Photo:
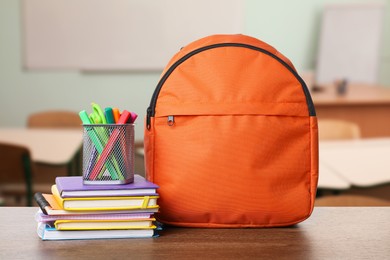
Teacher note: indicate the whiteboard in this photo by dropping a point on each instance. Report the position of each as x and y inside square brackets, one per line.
[350, 43]
[119, 34]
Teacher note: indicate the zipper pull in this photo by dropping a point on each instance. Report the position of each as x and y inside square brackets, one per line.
[171, 120]
[148, 115]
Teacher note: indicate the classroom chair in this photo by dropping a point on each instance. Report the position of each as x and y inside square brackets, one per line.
[335, 129]
[57, 119]
[16, 171]
[54, 119]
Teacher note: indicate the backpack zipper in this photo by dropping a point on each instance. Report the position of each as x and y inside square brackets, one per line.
[171, 120]
[151, 109]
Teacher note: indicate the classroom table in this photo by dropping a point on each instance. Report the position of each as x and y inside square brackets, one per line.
[360, 162]
[366, 105]
[328, 179]
[58, 148]
[330, 233]
[49, 146]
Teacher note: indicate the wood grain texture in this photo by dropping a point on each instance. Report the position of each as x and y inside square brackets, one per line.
[330, 233]
[366, 105]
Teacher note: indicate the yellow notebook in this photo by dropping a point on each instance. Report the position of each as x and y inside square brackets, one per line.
[105, 203]
[93, 224]
[49, 206]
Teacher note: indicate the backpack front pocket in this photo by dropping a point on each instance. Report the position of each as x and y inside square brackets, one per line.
[230, 173]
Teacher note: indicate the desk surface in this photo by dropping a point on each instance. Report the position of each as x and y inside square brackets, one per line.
[357, 94]
[330, 233]
[51, 146]
[329, 179]
[367, 106]
[362, 162]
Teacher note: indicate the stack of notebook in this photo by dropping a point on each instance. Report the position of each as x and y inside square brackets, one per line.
[78, 211]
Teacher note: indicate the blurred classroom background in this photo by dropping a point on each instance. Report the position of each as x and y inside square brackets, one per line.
[353, 112]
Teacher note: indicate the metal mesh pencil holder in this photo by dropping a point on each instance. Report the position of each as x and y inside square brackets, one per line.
[108, 154]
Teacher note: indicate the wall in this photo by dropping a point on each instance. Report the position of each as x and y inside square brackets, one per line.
[290, 26]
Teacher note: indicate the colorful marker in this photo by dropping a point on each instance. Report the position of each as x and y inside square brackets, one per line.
[110, 145]
[116, 113]
[97, 142]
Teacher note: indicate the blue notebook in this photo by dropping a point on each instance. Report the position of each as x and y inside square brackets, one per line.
[73, 186]
[45, 232]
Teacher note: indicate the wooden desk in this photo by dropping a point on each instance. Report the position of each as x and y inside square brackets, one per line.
[49, 146]
[362, 163]
[54, 151]
[329, 179]
[330, 233]
[368, 106]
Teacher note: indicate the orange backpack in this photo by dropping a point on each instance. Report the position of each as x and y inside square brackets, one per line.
[231, 137]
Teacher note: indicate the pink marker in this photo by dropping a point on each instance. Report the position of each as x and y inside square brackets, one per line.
[133, 117]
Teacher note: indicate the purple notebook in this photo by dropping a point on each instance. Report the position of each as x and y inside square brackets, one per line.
[72, 186]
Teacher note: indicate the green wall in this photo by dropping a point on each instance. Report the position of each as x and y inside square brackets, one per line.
[290, 26]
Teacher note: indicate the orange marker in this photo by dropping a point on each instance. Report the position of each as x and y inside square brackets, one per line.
[116, 113]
